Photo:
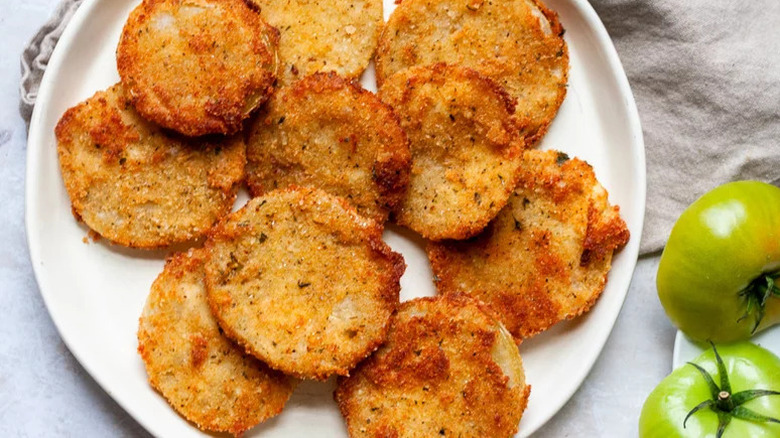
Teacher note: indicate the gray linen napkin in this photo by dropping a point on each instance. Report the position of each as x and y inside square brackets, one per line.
[706, 78]
[37, 53]
[705, 74]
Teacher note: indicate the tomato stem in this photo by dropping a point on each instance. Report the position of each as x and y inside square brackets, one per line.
[757, 293]
[723, 403]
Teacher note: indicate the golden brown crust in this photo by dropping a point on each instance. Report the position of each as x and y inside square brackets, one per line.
[136, 184]
[517, 43]
[204, 376]
[323, 35]
[546, 256]
[302, 281]
[447, 369]
[328, 132]
[197, 66]
[464, 145]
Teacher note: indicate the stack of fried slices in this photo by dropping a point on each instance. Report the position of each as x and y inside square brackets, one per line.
[298, 283]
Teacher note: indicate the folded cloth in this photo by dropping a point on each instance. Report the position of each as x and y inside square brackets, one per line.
[705, 75]
[37, 53]
[706, 78]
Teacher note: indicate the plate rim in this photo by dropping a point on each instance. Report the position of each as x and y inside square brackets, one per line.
[768, 338]
[631, 251]
[585, 9]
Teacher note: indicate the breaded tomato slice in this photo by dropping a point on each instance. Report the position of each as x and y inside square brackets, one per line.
[517, 43]
[465, 149]
[546, 256]
[448, 369]
[323, 35]
[197, 66]
[328, 132]
[204, 376]
[302, 281]
[138, 185]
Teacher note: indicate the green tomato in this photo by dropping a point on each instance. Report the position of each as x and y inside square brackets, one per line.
[746, 367]
[717, 274]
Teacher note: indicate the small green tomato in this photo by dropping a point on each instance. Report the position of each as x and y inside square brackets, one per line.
[718, 274]
[728, 392]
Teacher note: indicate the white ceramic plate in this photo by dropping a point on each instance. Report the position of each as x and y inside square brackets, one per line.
[95, 292]
[686, 350]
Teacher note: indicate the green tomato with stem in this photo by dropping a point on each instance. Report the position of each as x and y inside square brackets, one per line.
[718, 275]
[731, 391]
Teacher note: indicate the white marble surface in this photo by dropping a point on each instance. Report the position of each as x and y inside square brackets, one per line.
[45, 392]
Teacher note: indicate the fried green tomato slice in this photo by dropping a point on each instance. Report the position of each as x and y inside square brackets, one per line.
[323, 35]
[138, 185]
[447, 369]
[465, 149]
[204, 376]
[517, 43]
[303, 282]
[328, 132]
[546, 256]
[197, 66]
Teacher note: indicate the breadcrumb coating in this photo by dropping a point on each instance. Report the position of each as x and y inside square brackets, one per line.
[328, 132]
[204, 376]
[546, 256]
[197, 66]
[138, 185]
[448, 369]
[323, 35]
[517, 43]
[465, 149]
[302, 281]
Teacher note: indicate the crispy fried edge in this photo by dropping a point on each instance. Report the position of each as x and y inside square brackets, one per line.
[442, 71]
[389, 293]
[558, 30]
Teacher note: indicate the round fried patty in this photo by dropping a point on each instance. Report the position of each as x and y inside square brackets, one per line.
[464, 145]
[328, 132]
[517, 43]
[546, 256]
[302, 281]
[323, 35]
[447, 369]
[197, 66]
[136, 184]
[204, 376]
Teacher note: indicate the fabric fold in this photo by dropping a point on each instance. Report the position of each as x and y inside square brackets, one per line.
[36, 55]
